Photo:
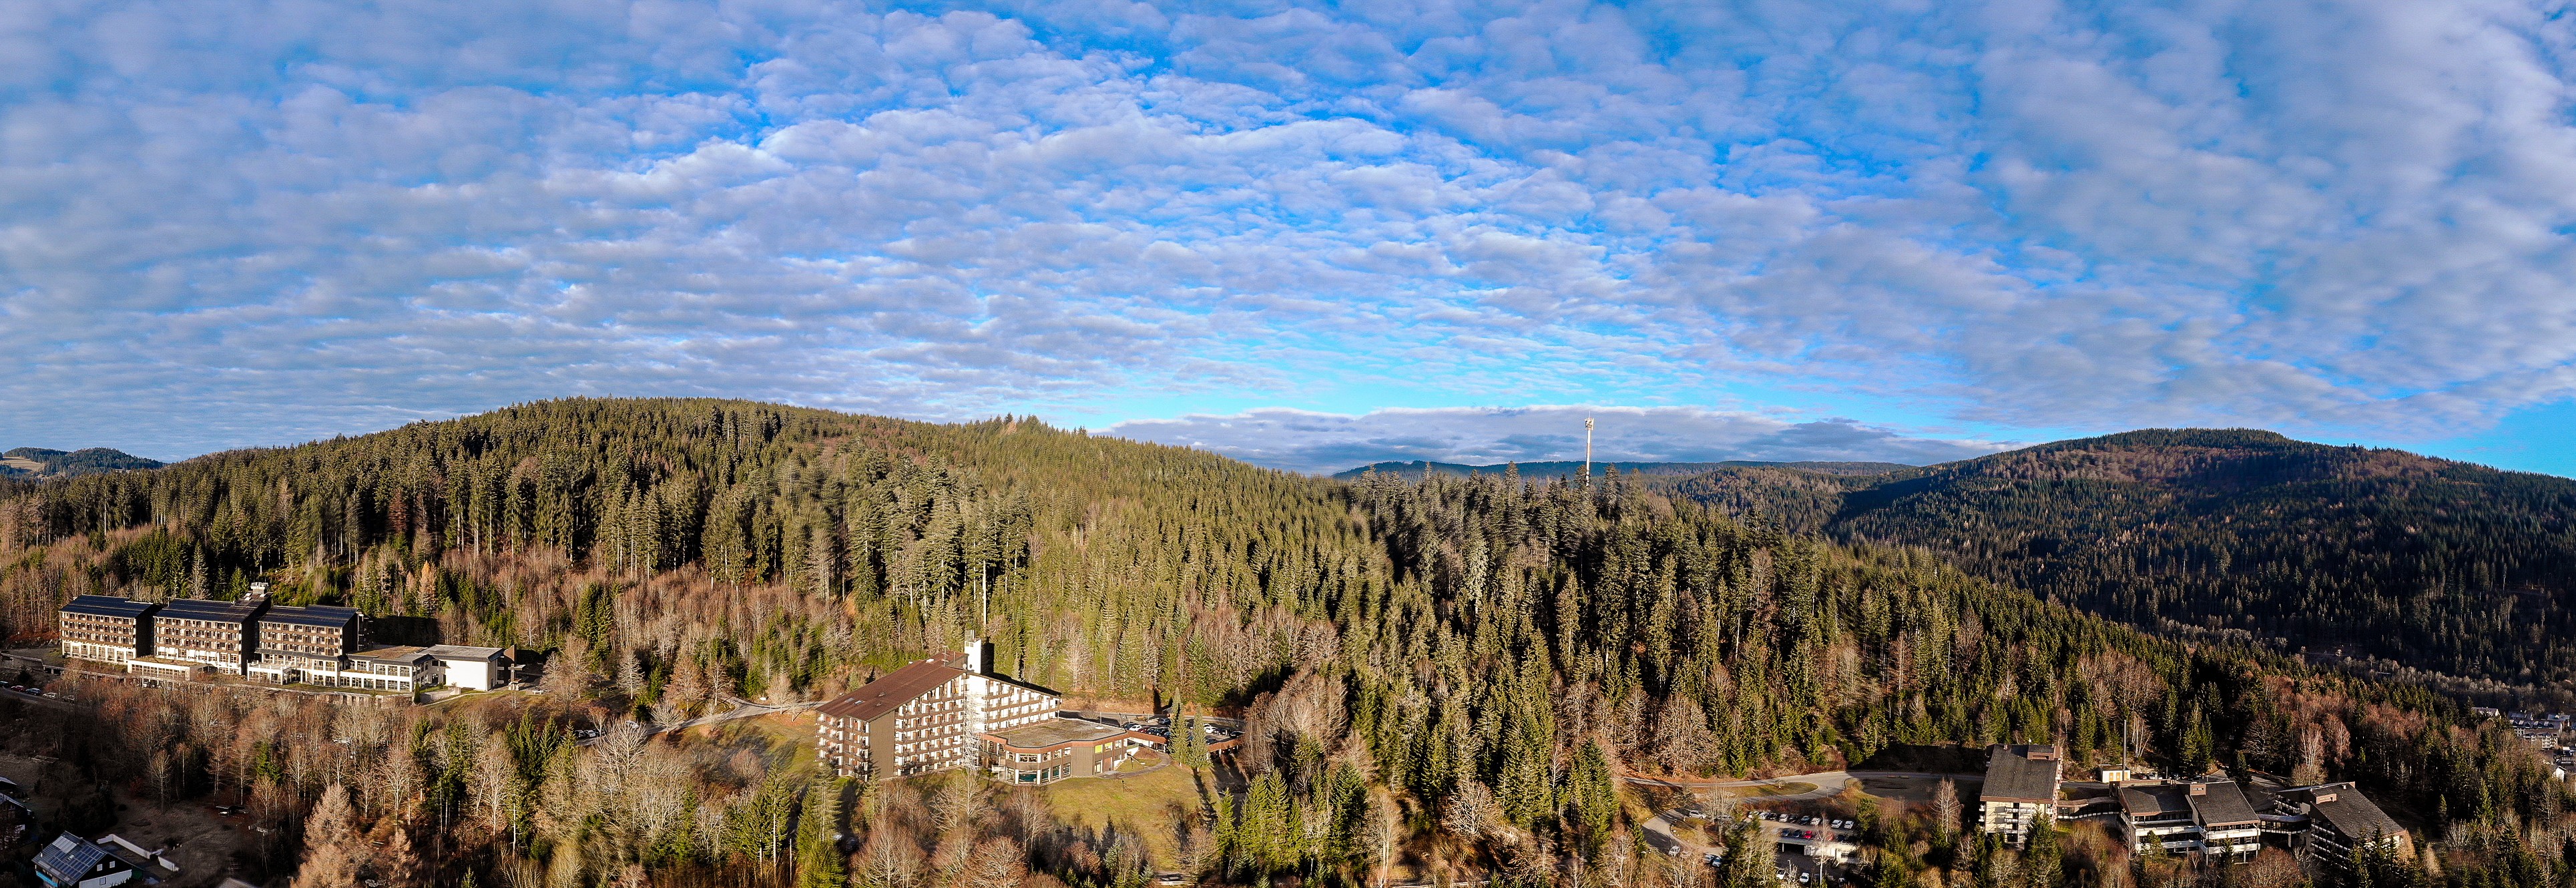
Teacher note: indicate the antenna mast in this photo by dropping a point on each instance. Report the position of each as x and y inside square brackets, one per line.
[1587, 451]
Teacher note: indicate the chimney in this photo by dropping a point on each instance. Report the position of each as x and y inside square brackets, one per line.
[975, 655]
[2200, 789]
[258, 592]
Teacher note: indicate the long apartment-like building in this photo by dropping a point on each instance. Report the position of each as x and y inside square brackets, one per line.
[2021, 787]
[106, 629]
[315, 645]
[927, 716]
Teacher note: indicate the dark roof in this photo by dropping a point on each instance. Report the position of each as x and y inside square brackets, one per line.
[2012, 775]
[2154, 801]
[69, 859]
[2347, 811]
[395, 654]
[316, 615]
[895, 689]
[2221, 803]
[464, 652]
[209, 609]
[108, 606]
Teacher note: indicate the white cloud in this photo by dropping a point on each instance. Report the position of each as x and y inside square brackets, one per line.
[252, 222]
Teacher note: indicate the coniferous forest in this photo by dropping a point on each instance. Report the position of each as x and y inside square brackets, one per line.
[2419, 563]
[1449, 678]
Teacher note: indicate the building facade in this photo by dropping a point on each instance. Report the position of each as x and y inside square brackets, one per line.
[216, 634]
[402, 669]
[106, 629]
[925, 717]
[2209, 818]
[300, 643]
[74, 862]
[2338, 818]
[472, 668]
[2021, 787]
[1055, 749]
[317, 645]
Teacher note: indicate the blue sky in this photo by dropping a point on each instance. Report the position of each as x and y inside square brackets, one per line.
[1306, 234]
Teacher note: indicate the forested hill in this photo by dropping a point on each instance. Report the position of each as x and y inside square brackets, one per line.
[1481, 654]
[39, 462]
[2430, 563]
[1416, 469]
[766, 547]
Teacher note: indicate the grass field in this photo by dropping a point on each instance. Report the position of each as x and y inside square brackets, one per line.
[1154, 807]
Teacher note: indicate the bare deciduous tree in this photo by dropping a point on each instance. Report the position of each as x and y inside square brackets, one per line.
[997, 863]
[889, 861]
[1945, 805]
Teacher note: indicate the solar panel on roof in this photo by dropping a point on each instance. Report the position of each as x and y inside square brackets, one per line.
[69, 858]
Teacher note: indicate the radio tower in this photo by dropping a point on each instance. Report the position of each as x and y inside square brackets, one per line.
[1587, 451]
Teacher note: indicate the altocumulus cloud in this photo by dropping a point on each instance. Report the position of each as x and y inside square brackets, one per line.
[250, 222]
[1307, 441]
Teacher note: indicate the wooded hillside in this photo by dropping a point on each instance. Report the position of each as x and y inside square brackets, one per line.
[2429, 563]
[1455, 670]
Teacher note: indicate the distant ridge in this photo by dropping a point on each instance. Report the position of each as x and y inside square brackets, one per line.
[2431, 563]
[1565, 468]
[40, 462]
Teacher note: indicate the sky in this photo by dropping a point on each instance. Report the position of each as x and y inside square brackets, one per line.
[1308, 235]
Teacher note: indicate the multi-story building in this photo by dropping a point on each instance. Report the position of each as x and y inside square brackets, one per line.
[2021, 787]
[925, 717]
[106, 629]
[217, 634]
[296, 642]
[2337, 817]
[2202, 817]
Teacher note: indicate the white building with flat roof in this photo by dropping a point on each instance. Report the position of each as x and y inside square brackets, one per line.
[472, 668]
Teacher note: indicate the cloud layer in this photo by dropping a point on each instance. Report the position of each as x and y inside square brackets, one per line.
[1322, 443]
[264, 220]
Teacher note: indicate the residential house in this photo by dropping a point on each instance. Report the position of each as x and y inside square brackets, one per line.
[2021, 787]
[75, 862]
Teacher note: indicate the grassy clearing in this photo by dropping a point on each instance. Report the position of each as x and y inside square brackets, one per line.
[1155, 808]
[785, 740]
[1768, 790]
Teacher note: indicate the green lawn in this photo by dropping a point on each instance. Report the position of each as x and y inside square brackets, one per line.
[1154, 808]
